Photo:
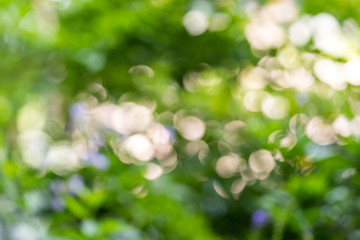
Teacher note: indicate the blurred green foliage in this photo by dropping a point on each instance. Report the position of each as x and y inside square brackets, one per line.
[162, 119]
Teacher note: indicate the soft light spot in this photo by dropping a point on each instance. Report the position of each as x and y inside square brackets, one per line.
[22, 231]
[352, 71]
[142, 70]
[153, 171]
[248, 175]
[159, 135]
[140, 147]
[193, 148]
[288, 57]
[80, 146]
[275, 107]
[279, 157]
[273, 136]
[262, 175]
[289, 141]
[89, 227]
[231, 134]
[235, 125]
[140, 191]
[330, 72]
[127, 118]
[62, 159]
[300, 32]
[333, 44]
[298, 122]
[300, 79]
[98, 90]
[251, 8]
[227, 166]
[349, 173]
[105, 115]
[328, 36]
[253, 78]
[116, 116]
[206, 78]
[219, 189]
[237, 186]
[31, 116]
[281, 78]
[325, 22]
[164, 151]
[342, 126]
[35, 201]
[280, 12]
[264, 35]
[261, 161]
[355, 126]
[33, 145]
[47, 22]
[191, 128]
[195, 22]
[253, 99]
[169, 163]
[268, 63]
[319, 132]
[138, 118]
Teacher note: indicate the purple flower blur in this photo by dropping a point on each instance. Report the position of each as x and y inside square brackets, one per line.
[76, 183]
[98, 160]
[172, 132]
[57, 203]
[97, 139]
[78, 111]
[259, 218]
